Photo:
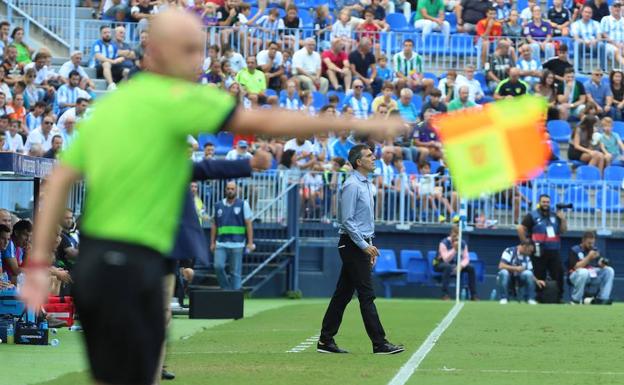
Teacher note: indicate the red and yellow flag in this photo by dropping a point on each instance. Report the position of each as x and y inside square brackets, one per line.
[490, 149]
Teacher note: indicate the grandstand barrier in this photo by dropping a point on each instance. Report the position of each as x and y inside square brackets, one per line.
[18, 16]
[20, 178]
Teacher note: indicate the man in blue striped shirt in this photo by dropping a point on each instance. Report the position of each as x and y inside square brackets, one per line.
[612, 28]
[357, 228]
[67, 94]
[106, 59]
[586, 32]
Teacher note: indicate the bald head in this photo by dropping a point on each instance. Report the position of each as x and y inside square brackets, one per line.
[176, 45]
[5, 218]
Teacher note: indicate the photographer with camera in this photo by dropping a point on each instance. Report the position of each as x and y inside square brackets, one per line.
[588, 269]
[544, 227]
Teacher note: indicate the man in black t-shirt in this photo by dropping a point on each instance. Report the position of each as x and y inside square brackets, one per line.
[67, 252]
[469, 12]
[228, 13]
[361, 60]
[600, 9]
[558, 64]
[559, 18]
[512, 86]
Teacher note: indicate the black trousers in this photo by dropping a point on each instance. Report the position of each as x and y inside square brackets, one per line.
[549, 262]
[355, 275]
[447, 269]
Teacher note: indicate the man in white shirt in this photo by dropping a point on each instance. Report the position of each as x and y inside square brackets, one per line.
[306, 64]
[76, 113]
[74, 64]
[303, 152]
[240, 152]
[530, 69]
[14, 141]
[67, 94]
[68, 134]
[612, 28]
[237, 62]
[41, 136]
[475, 91]
[270, 61]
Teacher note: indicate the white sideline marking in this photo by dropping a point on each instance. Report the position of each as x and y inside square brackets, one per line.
[414, 361]
[305, 344]
[521, 371]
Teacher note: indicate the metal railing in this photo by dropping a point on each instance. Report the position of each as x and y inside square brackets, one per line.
[58, 17]
[18, 15]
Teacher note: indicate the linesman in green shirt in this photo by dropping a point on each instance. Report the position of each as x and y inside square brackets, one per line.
[133, 155]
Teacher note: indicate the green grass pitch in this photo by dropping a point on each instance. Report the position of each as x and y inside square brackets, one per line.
[487, 344]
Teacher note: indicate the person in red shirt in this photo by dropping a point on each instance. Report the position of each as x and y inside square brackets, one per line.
[335, 66]
[369, 27]
[19, 111]
[488, 29]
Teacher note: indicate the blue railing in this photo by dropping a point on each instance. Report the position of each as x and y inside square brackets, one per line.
[19, 16]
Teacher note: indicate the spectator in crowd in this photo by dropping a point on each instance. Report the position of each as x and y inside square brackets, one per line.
[124, 49]
[384, 73]
[4, 87]
[612, 27]
[14, 141]
[42, 135]
[377, 6]
[497, 68]
[4, 123]
[462, 100]
[24, 52]
[236, 60]
[408, 69]
[469, 12]
[447, 86]
[68, 133]
[75, 64]
[139, 53]
[107, 62]
[5, 27]
[231, 233]
[354, 7]
[271, 62]
[142, 12]
[512, 86]
[290, 100]
[5, 109]
[430, 17]
[558, 65]
[67, 251]
[426, 139]
[43, 74]
[213, 56]
[559, 18]
[13, 69]
[320, 148]
[55, 148]
[600, 9]
[287, 161]
[312, 191]
[611, 144]
[547, 87]
[209, 150]
[445, 263]
[387, 190]
[213, 76]
[269, 26]
[362, 62]
[589, 269]
[434, 102]
[255, 83]
[35, 116]
[19, 111]
[307, 67]
[599, 93]
[616, 82]
[572, 94]
[586, 32]
[488, 30]
[114, 9]
[68, 94]
[516, 270]
[292, 23]
[526, 14]
[342, 29]
[581, 148]
[503, 10]
[303, 158]
[512, 27]
[369, 28]
[406, 108]
[76, 113]
[9, 263]
[336, 66]
[322, 24]
[19, 243]
[544, 227]
[475, 91]
[240, 152]
[386, 98]
[36, 151]
[357, 101]
[342, 145]
[538, 33]
[32, 93]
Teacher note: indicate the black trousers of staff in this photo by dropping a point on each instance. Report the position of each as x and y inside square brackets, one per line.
[354, 276]
[549, 262]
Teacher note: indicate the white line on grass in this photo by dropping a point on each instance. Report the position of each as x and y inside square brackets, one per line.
[522, 371]
[305, 344]
[412, 364]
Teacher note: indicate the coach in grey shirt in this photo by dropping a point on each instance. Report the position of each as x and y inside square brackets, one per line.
[358, 255]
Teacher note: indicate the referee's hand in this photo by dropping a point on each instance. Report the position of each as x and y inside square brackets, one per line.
[373, 253]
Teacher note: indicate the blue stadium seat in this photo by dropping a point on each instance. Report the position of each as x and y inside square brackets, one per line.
[432, 76]
[270, 92]
[521, 4]
[588, 173]
[452, 20]
[340, 95]
[434, 165]
[318, 100]
[386, 269]
[397, 22]
[368, 97]
[434, 44]
[556, 151]
[206, 138]
[306, 19]
[478, 265]
[462, 44]
[611, 198]
[410, 167]
[417, 101]
[579, 197]
[225, 142]
[618, 128]
[558, 171]
[415, 264]
[480, 76]
[559, 130]
[431, 255]
[614, 174]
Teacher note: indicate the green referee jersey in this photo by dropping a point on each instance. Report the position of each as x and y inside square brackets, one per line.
[133, 153]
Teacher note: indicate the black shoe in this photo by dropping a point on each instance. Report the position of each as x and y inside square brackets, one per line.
[167, 375]
[598, 301]
[388, 348]
[329, 347]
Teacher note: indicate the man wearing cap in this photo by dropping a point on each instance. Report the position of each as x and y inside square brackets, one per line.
[73, 64]
[240, 152]
[612, 27]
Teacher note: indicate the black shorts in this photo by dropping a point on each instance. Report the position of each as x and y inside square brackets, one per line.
[118, 289]
[116, 72]
[188, 263]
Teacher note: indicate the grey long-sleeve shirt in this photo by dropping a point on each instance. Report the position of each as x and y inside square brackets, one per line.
[356, 213]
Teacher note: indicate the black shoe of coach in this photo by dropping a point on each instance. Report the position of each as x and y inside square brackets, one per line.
[388, 348]
[329, 347]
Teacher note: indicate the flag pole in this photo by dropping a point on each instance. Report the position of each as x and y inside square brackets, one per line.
[461, 224]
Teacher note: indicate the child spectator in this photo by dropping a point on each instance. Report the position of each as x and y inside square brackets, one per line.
[386, 98]
[213, 76]
[611, 144]
[343, 29]
[292, 22]
[289, 100]
[559, 18]
[512, 27]
[307, 101]
[383, 72]
[488, 29]
[269, 26]
[503, 10]
[322, 25]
